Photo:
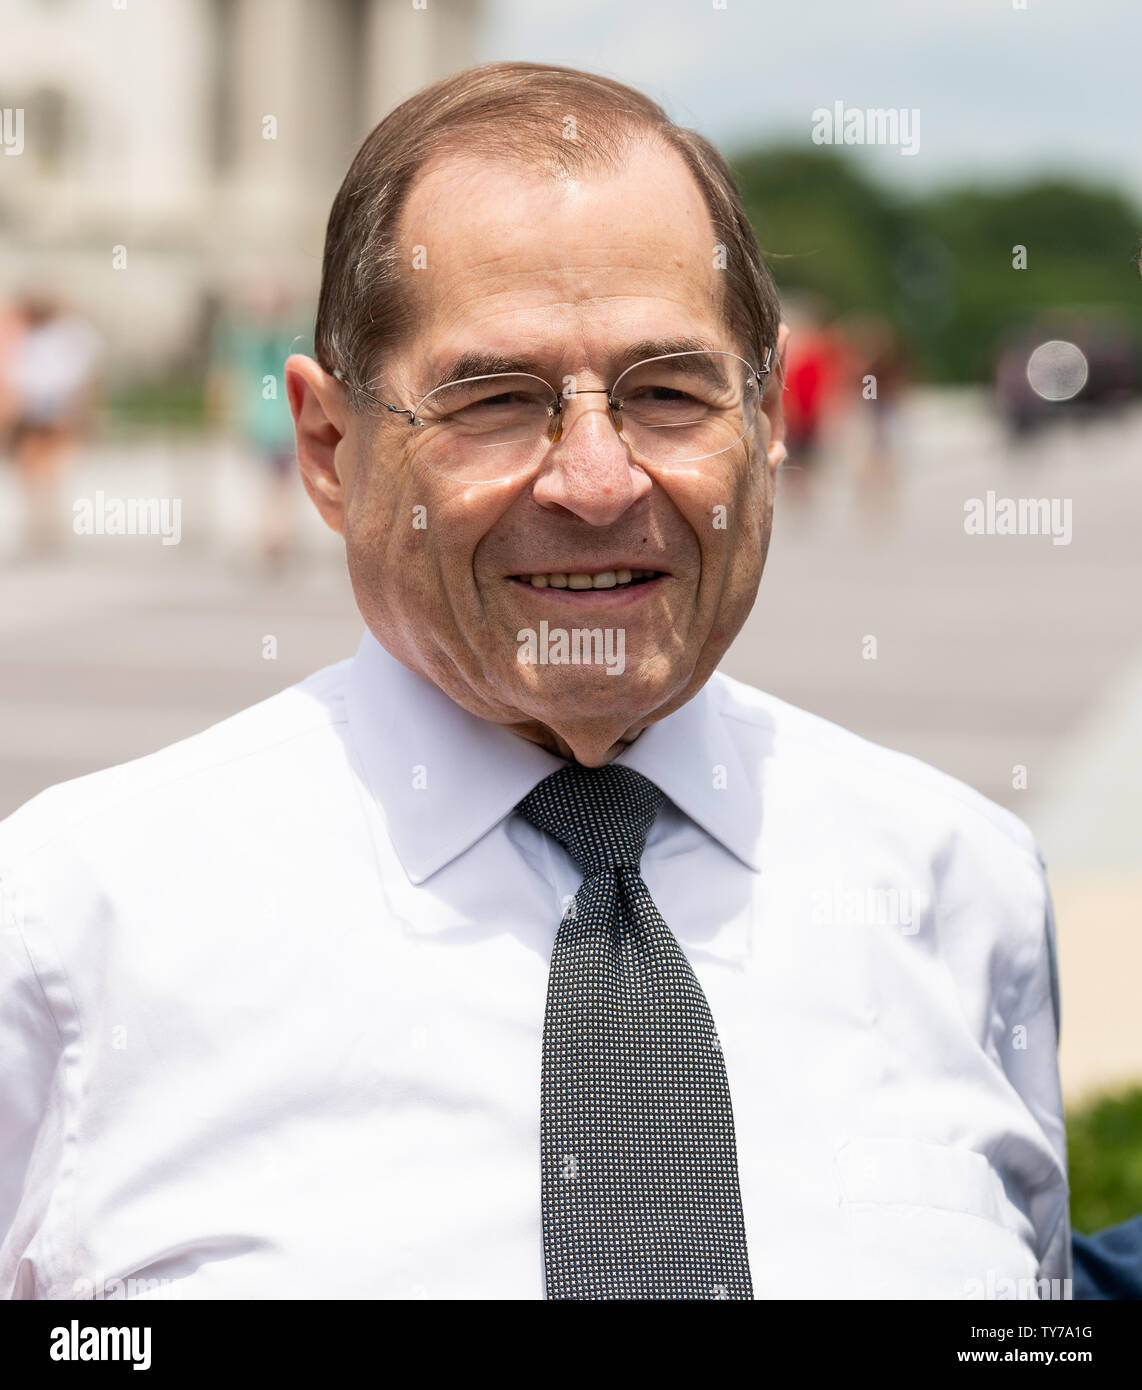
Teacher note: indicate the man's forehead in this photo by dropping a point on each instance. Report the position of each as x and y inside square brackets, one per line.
[472, 211]
[616, 255]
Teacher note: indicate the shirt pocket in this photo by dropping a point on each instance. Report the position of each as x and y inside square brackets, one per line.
[928, 1220]
[894, 1171]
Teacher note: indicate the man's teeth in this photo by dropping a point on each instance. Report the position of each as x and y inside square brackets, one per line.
[608, 579]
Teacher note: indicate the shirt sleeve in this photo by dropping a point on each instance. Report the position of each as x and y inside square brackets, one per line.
[31, 1082]
[1031, 1060]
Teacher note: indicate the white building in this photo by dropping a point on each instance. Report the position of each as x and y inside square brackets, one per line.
[171, 148]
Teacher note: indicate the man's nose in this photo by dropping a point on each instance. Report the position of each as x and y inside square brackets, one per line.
[588, 469]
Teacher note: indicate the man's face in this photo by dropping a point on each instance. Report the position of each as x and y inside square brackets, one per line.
[568, 274]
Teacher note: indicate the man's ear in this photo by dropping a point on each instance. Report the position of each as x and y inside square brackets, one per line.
[320, 420]
[772, 402]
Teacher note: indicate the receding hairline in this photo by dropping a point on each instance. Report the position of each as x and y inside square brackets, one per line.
[546, 162]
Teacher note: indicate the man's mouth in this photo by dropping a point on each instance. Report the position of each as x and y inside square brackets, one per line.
[604, 579]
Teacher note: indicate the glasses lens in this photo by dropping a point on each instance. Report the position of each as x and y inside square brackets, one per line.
[689, 406]
[490, 410]
[486, 428]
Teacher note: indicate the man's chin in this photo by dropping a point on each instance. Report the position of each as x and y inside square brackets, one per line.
[575, 697]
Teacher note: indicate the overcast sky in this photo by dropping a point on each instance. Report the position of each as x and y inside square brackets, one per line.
[1001, 93]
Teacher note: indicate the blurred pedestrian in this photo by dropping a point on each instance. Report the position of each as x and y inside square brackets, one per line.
[12, 329]
[52, 388]
[246, 390]
[813, 375]
[878, 372]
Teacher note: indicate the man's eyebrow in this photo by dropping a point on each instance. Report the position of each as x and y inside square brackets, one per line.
[663, 347]
[483, 364]
[475, 363]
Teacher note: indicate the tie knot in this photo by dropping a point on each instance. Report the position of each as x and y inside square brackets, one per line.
[600, 815]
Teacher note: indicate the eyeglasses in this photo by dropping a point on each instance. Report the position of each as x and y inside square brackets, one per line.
[672, 411]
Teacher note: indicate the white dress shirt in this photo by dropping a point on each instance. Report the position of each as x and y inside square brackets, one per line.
[272, 1006]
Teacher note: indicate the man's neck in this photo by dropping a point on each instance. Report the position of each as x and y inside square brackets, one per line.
[590, 752]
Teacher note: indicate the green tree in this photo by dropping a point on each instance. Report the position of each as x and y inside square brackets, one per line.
[1104, 1155]
[940, 266]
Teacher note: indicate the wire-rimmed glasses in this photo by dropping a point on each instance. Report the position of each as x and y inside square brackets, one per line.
[672, 410]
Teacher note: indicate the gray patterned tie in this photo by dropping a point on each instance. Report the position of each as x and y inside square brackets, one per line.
[639, 1164]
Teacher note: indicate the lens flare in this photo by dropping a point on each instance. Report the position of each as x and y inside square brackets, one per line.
[1057, 371]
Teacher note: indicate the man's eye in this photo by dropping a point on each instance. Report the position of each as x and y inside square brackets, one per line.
[662, 395]
[504, 398]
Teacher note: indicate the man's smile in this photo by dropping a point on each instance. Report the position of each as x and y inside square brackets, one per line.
[600, 589]
[615, 577]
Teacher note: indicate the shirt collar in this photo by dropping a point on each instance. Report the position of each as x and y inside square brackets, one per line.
[709, 764]
[442, 777]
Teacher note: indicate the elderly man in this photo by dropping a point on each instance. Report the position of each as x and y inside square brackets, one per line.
[523, 954]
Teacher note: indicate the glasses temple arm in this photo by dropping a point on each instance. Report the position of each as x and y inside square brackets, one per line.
[340, 376]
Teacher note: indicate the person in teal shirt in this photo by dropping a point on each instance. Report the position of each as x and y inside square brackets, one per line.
[248, 349]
